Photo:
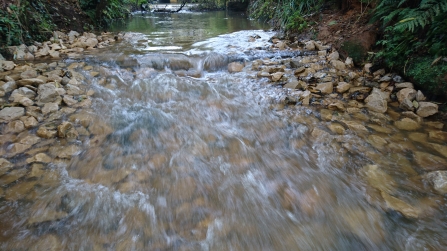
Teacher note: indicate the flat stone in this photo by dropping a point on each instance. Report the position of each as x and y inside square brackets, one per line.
[337, 128]
[438, 135]
[404, 85]
[379, 128]
[356, 127]
[28, 74]
[11, 113]
[31, 81]
[407, 124]
[39, 158]
[20, 190]
[325, 88]
[379, 179]
[400, 206]
[430, 162]
[12, 176]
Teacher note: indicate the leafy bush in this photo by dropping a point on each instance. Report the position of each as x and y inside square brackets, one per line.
[290, 14]
[433, 76]
[411, 29]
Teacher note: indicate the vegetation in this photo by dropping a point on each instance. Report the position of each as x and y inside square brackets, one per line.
[414, 35]
[289, 14]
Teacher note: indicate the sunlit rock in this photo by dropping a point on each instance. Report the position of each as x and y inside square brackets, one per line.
[406, 93]
[407, 124]
[11, 113]
[429, 162]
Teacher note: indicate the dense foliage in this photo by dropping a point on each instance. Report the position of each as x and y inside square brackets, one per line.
[289, 14]
[414, 35]
[24, 23]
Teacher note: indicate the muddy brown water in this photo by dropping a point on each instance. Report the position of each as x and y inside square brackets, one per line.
[214, 161]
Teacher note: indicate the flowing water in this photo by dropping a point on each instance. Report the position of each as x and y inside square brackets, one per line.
[185, 156]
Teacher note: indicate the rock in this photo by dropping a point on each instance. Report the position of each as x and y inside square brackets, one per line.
[29, 122]
[407, 124]
[277, 76]
[379, 179]
[15, 126]
[305, 97]
[63, 129]
[438, 135]
[377, 141]
[434, 124]
[339, 65]
[427, 109]
[5, 166]
[50, 107]
[356, 127]
[29, 74]
[325, 88]
[292, 84]
[46, 132]
[67, 152]
[430, 162]
[11, 113]
[91, 42]
[343, 87]
[8, 86]
[406, 93]
[400, 206]
[337, 105]
[439, 181]
[420, 96]
[406, 105]
[377, 101]
[404, 85]
[30, 81]
[336, 128]
[235, 67]
[310, 45]
[69, 100]
[47, 93]
[24, 91]
[39, 158]
[17, 148]
[333, 56]
[7, 65]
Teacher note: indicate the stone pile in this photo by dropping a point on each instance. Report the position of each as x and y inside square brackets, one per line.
[378, 107]
[60, 45]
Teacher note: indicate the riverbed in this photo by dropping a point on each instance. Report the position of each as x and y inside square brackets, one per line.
[174, 152]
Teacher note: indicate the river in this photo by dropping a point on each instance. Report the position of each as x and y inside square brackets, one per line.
[190, 157]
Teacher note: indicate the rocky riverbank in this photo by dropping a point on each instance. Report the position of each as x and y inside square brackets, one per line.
[47, 119]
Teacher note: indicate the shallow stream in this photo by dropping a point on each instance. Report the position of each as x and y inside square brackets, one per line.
[186, 156]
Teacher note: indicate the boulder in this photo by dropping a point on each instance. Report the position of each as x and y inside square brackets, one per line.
[420, 96]
[426, 109]
[333, 56]
[377, 101]
[310, 45]
[11, 113]
[406, 93]
[406, 105]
